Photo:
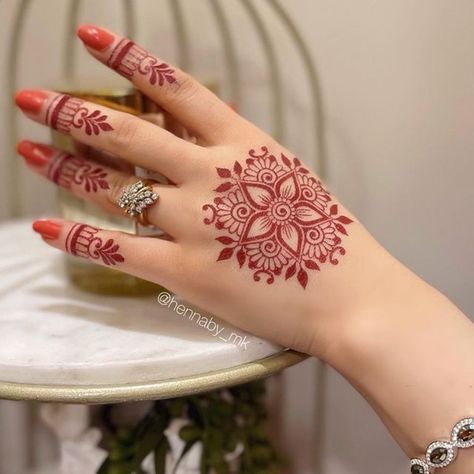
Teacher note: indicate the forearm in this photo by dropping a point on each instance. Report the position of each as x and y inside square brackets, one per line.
[410, 352]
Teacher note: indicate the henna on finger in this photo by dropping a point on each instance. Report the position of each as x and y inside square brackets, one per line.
[66, 112]
[104, 186]
[84, 241]
[118, 133]
[127, 58]
[63, 113]
[277, 218]
[66, 169]
[144, 257]
[166, 85]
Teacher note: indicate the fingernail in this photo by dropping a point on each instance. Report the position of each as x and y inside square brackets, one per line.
[34, 153]
[30, 100]
[47, 229]
[95, 37]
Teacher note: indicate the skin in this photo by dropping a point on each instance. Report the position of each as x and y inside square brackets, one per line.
[403, 345]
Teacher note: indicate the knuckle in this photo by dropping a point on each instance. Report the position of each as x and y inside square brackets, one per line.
[125, 134]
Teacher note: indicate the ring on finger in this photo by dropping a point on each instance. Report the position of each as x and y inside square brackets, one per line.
[136, 198]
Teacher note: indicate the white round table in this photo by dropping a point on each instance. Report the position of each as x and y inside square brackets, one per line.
[61, 344]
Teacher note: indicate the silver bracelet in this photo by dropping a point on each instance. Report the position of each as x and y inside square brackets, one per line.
[440, 454]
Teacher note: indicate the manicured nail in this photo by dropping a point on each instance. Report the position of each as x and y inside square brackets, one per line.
[34, 153]
[95, 37]
[30, 100]
[49, 230]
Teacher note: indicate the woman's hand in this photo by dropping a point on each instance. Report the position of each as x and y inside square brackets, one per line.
[256, 238]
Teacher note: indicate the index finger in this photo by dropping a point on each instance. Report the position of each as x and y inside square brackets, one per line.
[192, 104]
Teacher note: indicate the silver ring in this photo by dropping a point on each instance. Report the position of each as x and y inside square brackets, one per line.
[137, 198]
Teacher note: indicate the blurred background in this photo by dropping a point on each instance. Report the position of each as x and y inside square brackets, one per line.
[395, 109]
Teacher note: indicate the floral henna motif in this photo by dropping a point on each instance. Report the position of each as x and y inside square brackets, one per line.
[82, 241]
[66, 112]
[66, 170]
[127, 58]
[277, 217]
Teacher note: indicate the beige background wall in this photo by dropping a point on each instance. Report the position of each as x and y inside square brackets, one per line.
[398, 90]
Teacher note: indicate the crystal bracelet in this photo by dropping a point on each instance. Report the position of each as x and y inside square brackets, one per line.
[440, 454]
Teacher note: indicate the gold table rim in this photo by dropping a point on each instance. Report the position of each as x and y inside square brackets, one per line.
[168, 388]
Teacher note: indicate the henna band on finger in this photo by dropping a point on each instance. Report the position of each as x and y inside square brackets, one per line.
[137, 198]
[66, 113]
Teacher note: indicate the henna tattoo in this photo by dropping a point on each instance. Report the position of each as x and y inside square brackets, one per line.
[82, 241]
[67, 169]
[128, 58]
[277, 217]
[66, 112]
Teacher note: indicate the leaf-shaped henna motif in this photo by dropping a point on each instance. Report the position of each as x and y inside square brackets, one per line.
[67, 169]
[108, 252]
[92, 178]
[83, 241]
[224, 172]
[93, 122]
[162, 73]
[279, 219]
[225, 254]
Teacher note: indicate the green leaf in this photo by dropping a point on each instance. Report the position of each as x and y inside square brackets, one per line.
[161, 451]
[152, 432]
[190, 433]
[204, 468]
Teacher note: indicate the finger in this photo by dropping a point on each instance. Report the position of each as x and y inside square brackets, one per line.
[119, 133]
[100, 184]
[192, 104]
[149, 258]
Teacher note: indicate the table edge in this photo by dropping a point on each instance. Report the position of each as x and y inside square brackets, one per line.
[168, 388]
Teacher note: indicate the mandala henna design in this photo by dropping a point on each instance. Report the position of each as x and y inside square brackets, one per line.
[128, 58]
[66, 170]
[82, 241]
[66, 112]
[277, 217]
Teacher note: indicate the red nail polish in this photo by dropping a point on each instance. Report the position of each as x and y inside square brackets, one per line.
[47, 229]
[34, 153]
[95, 37]
[30, 100]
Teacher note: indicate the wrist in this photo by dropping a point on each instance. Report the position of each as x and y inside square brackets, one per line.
[352, 300]
[410, 353]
